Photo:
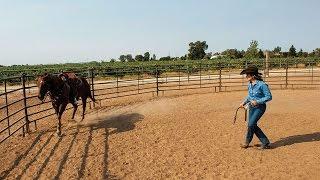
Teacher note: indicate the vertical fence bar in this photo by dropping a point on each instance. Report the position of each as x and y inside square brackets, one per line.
[220, 74]
[312, 71]
[92, 83]
[89, 81]
[117, 74]
[138, 79]
[7, 108]
[200, 73]
[188, 73]
[23, 81]
[157, 80]
[287, 73]
[179, 69]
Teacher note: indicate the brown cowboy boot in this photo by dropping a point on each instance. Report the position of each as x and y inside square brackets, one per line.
[266, 146]
[244, 145]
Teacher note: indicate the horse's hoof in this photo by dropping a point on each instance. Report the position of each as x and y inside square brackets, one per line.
[58, 134]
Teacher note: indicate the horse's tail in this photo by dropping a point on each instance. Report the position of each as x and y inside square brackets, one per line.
[87, 89]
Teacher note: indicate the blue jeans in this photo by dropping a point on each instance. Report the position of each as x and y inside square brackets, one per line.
[255, 113]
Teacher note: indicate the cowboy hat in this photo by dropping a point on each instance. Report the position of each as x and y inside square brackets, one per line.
[251, 70]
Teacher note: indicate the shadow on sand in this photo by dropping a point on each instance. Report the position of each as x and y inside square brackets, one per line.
[120, 123]
[297, 139]
[117, 124]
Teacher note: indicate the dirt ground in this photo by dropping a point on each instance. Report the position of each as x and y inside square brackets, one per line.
[180, 137]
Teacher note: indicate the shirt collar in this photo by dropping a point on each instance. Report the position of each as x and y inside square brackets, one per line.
[253, 84]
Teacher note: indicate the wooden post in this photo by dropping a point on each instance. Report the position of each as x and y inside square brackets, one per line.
[220, 74]
[287, 73]
[200, 73]
[266, 69]
[157, 79]
[92, 83]
[138, 80]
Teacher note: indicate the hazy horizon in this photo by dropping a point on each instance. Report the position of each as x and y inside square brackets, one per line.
[49, 32]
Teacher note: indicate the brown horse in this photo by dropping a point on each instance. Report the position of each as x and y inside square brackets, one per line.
[59, 92]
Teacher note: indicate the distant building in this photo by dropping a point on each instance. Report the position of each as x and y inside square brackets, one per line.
[216, 56]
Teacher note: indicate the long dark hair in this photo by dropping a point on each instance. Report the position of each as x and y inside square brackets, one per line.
[257, 76]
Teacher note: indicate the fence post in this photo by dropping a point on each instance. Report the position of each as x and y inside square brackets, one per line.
[179, 68]
[138, 79]
[7, 109]
[220, 74]
[23, 82]
[200, 73]
[188, 72]
[92, 83]
[287, 73]
[157, 80]
[117, 74]
[312, 71]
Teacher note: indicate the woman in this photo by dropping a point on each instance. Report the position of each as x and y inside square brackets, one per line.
[258, 95]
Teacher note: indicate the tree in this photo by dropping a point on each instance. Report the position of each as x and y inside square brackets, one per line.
[277, 50]
[208, 55]
[285, 54]
[260, 54]
[197, 50]
[146, 56]
[129, 58]
[122, 58]
[139, 57]
[316, 52]
[232, 53]
[252, 51]
[292, 51]
[112, 60]
[167, 58]
[154, 57]
[300, 53]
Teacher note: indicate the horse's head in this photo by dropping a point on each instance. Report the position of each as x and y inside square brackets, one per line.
[45, 83]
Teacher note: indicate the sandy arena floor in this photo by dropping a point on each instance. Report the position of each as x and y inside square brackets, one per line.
[187, 137]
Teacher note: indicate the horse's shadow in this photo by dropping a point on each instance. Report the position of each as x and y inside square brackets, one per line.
[118, 123]
[290, 140]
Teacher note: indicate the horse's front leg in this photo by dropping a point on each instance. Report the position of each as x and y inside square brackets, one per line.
[62, 108]
[56, 108]
[75, 107]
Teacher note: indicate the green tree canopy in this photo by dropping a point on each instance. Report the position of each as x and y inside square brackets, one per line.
[232, 53]
[154, 57]
[146, 56]
[277, 50]
[129, 58]
[317, 52]
[166, 58]
[139, 57]
[197, 50]
[122, 58]
[252, 51]
[260, 54]
[292, 51]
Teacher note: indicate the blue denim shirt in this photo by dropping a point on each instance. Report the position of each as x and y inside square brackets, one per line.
[259, 91]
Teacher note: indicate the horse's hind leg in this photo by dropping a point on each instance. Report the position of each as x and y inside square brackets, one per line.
[84, 104]
[75, 107]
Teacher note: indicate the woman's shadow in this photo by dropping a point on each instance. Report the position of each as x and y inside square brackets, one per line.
[297, 139]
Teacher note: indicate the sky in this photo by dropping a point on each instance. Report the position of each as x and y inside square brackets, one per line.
[56, 31]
